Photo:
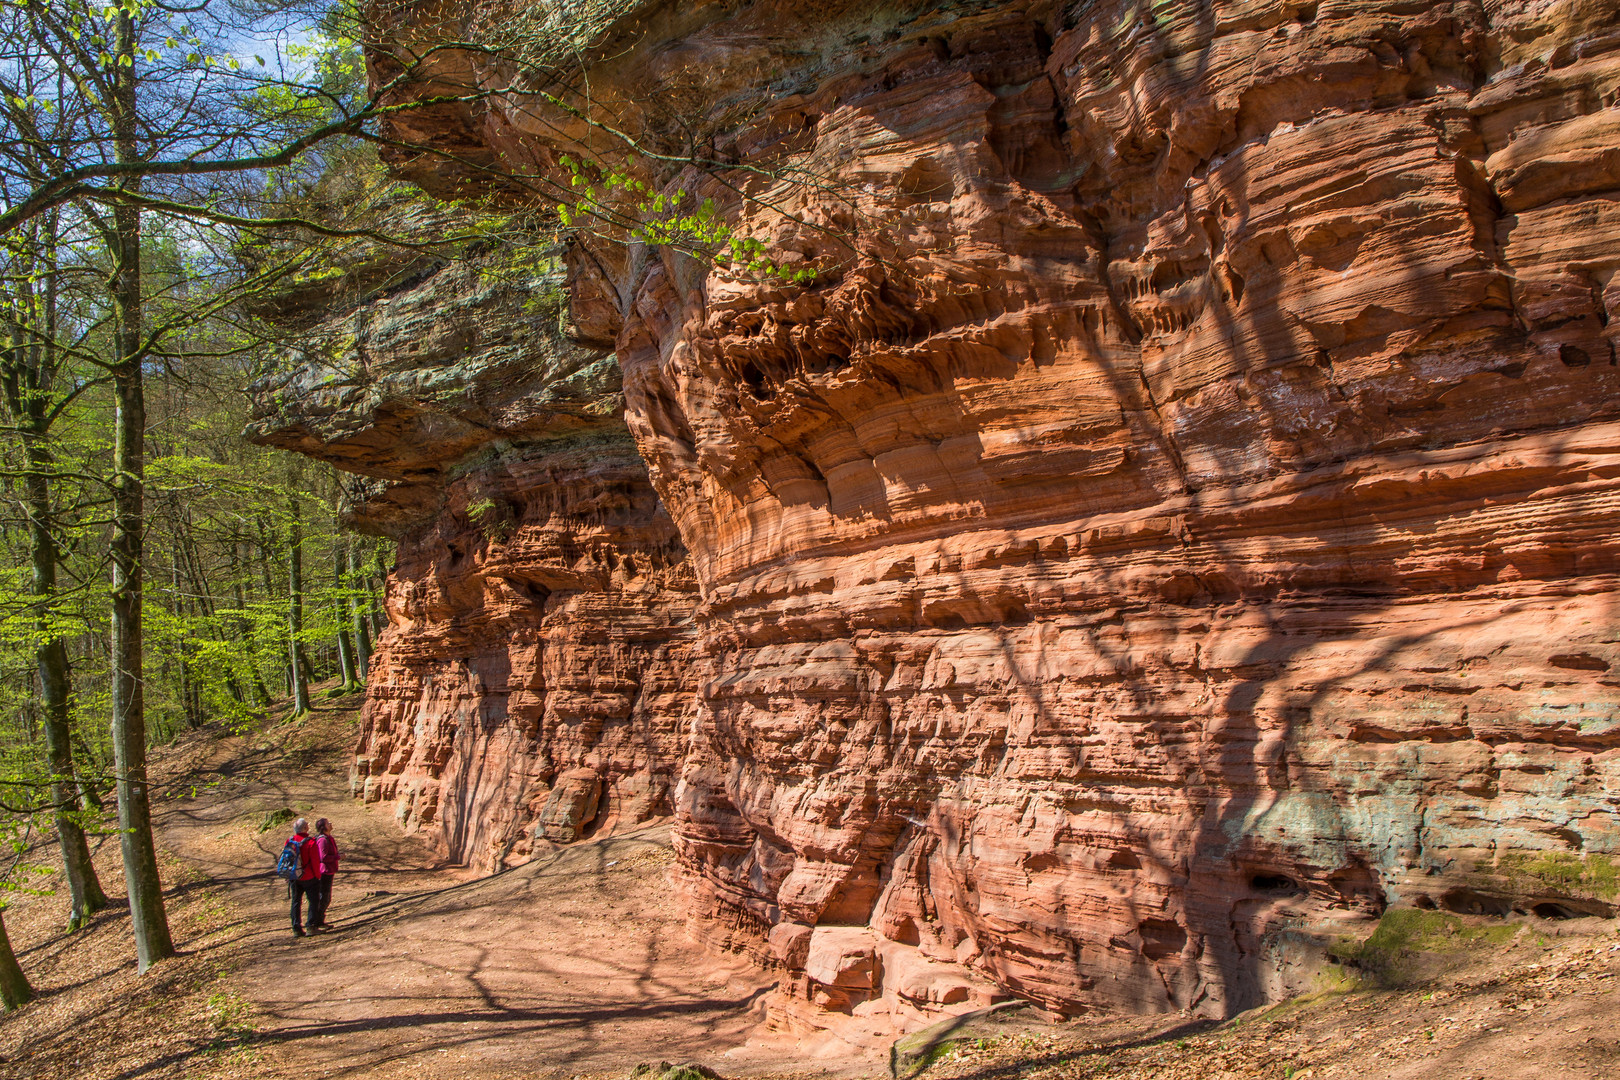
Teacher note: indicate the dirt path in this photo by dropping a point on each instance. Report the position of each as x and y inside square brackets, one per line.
[574, 964]
[577, 965]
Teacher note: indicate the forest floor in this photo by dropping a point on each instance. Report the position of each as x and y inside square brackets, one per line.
[572, 964]
[576, 965]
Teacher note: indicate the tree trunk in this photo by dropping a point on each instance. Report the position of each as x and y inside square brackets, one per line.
[151, 925]
[204, 600]
[295, 610]
[190, 700]
[14, 989]
[29, 373]
[374, 608]
[351, 680]
[244, 629]
[270, 593]
[346, 660]
[86, 896]
[90, 800]
[362, 627]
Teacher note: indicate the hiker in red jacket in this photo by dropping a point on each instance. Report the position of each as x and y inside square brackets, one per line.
[309, 879]
[326, 859]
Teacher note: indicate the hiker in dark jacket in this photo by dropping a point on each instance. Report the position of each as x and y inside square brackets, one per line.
[326, 859]
[308, 882]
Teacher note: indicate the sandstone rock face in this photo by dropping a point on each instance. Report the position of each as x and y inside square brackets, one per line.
[571, 806]
[437, 368]
[531, 684]
[1176, 522]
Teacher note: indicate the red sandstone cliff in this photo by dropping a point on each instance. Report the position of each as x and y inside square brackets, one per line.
[1177, 521]
[531, 683]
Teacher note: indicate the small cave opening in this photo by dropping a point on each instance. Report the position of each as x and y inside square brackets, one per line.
[1014, 613]
[1124, 860]
[1571, 356]
[1275, 884]
[753, 377]
[1043, 41]
[1161, 938]
[825, 363]
[1469, 902]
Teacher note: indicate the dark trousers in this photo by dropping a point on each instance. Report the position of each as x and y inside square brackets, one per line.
[323, 895]
[311, 889]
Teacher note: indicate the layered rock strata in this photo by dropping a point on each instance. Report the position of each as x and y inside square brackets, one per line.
[531, 684]
[1174, 522]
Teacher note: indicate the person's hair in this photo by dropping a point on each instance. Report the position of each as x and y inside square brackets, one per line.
[321, 824]
[301, 827]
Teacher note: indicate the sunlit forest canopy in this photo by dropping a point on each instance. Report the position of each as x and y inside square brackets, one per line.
[170, 175]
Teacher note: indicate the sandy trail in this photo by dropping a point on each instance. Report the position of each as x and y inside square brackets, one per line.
[574, 964]
[577, 965]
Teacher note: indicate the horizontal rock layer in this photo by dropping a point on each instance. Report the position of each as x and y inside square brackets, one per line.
[1176, 520]
[532, 685]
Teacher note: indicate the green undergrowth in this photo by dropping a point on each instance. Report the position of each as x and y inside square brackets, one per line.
[1392, 954]
[277, 817]
[230, 1019]
[1563, 871]
[663, 1070]
[1331, 985]
[936, 1053]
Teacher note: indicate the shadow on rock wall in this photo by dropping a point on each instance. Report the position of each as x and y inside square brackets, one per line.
[1170, 528]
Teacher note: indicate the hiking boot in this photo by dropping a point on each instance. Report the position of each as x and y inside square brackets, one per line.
[298, 931]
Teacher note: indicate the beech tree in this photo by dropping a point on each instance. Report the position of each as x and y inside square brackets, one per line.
[14, 989]
[18, 810]
[148, 156]
[152, 99]
[30, 369]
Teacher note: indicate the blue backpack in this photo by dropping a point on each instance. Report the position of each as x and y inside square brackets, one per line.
[290, 867]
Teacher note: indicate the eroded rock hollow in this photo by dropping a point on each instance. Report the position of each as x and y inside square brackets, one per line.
[1174, 522]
